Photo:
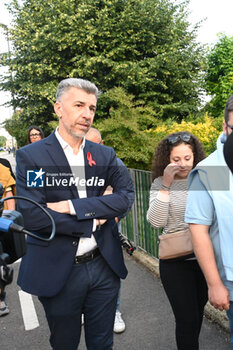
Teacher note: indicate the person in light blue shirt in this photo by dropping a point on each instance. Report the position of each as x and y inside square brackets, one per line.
[209, 213]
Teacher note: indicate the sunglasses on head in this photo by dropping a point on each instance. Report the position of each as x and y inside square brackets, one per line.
[180, 137]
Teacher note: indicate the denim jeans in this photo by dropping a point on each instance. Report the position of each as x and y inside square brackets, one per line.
[230, 316]
[119, 299]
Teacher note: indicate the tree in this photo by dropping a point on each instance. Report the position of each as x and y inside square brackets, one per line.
[219, 77]
[17, 128]
[126, 129]
[143, 46]
[2, 141]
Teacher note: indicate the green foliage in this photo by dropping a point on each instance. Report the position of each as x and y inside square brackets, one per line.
[134, 133]
[143, 46]
[206, 129]
[219, 77]
[2, 141]
[17, 128]
[124, 129]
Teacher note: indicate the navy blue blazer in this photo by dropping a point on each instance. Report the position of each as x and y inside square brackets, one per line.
[46, 266]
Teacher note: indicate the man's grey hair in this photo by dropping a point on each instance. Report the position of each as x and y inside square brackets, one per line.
[82, 84]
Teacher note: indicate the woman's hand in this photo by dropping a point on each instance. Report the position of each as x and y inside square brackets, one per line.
[169, 174]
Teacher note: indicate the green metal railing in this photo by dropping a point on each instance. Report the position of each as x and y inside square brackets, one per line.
[135, 226]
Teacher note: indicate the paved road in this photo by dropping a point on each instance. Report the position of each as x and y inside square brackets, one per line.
[10, 157]
[148, 316]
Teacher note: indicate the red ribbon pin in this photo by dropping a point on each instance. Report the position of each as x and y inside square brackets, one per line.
[90, 160]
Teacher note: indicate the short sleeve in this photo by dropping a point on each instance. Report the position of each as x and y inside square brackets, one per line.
[200, 208]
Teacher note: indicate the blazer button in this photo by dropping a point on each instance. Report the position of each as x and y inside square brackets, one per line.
[74, 243]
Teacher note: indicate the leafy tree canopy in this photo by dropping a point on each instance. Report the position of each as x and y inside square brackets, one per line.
[143, 46]
[219, 77]
[125, 129]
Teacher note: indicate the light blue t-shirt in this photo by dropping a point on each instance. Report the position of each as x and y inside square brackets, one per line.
[200, 210]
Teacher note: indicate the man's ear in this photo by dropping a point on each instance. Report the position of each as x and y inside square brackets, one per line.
[224, 126]
[57, 109]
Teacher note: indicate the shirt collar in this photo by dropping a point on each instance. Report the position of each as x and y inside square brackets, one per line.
[64, 144]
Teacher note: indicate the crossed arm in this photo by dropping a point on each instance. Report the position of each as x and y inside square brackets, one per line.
[97, 207]
[63, 207]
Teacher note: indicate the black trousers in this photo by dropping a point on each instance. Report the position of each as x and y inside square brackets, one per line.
[187, 291]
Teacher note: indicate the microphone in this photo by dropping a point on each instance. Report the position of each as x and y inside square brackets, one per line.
[6, 225]
[9, 225]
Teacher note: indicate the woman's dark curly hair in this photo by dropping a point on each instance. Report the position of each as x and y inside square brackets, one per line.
[163, 150]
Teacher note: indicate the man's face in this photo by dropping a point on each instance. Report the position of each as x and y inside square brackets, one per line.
[76, 110]
[228, 127]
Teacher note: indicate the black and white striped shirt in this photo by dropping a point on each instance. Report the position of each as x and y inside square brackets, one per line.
[167, 210]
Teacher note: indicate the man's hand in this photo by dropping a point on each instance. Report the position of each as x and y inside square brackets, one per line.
[109, 190]
[61, 207]
[100, 222]
[219, 297]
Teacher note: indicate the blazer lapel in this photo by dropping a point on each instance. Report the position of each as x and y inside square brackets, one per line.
[59, 159]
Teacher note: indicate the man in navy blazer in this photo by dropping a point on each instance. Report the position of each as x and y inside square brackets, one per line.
[80, 269]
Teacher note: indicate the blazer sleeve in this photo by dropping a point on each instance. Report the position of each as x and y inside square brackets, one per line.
[34, 218]
[113, 205]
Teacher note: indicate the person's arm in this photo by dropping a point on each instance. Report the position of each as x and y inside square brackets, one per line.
[103, 206]
[157, 214]
[200, 214]
[34, 219]
[87, 209]
[203, 248]
[10, 203]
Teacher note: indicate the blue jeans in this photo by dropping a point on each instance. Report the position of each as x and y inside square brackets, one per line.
[119, 299]
[230, 316]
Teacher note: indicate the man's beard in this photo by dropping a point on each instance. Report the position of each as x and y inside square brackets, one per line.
[74, 133]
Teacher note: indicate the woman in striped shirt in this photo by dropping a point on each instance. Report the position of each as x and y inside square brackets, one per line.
[182, 278]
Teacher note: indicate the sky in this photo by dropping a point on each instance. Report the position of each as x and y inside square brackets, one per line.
[217, 17]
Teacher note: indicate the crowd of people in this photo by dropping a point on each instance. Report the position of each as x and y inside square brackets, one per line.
[77, 276]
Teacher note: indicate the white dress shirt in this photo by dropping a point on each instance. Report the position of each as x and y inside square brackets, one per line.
[77, 165]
